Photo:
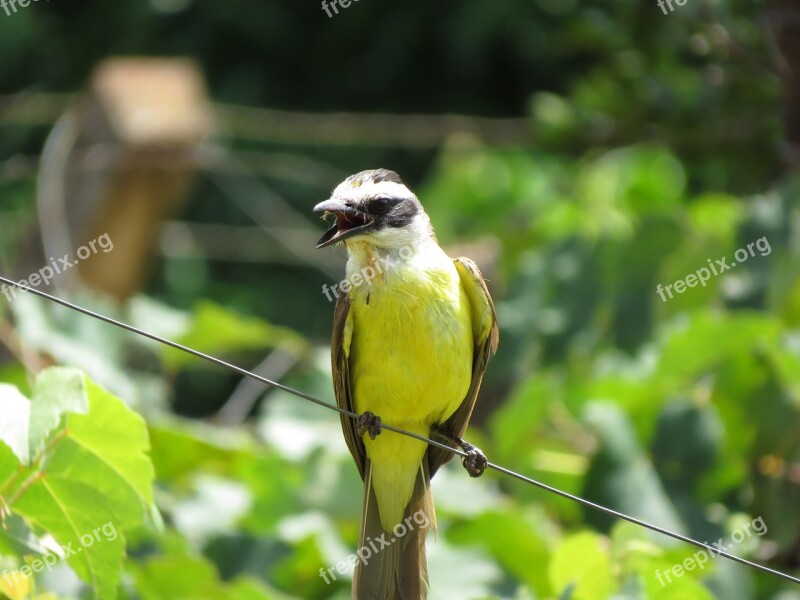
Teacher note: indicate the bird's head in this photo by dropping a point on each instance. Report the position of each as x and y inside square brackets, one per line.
[375, 207]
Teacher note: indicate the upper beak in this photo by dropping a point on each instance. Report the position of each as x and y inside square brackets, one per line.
[349, 221]
[331, 206]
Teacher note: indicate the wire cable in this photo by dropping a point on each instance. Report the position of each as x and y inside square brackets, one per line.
[714, 551]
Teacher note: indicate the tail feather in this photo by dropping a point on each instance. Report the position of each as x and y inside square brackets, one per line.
[398, 571]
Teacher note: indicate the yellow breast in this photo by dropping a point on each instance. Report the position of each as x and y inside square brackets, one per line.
[410, 358]
[410, 363]
[411, 352]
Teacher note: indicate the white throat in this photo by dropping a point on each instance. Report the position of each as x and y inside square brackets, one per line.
[393, 248]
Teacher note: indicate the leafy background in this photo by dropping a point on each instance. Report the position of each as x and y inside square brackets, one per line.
[655, 142]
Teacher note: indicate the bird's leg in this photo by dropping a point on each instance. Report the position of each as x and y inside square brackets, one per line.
[368, 422]
[475, 461]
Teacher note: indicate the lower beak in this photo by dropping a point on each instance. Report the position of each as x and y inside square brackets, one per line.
[349, 222]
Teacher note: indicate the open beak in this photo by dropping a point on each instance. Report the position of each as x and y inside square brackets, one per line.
[349, 222]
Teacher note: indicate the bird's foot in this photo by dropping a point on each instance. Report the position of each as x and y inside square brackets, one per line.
[368, 423]
[475, 461]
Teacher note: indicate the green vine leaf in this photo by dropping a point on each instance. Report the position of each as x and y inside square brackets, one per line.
[58, 390]
[90, 478]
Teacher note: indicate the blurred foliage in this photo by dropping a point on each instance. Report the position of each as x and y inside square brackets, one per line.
[655, 152]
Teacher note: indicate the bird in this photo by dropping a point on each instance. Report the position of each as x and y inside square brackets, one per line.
[413, 332]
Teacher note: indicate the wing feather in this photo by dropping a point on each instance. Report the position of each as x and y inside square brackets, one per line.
[340, 362]
[486, 335]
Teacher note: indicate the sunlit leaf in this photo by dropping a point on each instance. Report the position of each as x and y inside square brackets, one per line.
[581, 564]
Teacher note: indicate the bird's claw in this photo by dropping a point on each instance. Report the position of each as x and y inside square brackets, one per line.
[368, 423]
[475, 462]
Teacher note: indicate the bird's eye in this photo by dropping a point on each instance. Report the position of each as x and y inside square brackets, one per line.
[378, 206]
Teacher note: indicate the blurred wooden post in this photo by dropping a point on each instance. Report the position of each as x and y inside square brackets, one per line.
[135, 140]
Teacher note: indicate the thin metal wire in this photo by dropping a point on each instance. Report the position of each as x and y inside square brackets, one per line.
[500, 469]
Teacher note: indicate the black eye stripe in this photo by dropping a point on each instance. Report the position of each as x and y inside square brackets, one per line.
[379, 206]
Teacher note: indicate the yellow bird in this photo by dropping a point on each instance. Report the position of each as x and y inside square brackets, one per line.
[413, 331]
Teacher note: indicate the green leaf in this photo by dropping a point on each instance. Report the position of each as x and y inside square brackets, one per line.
[110, 444]
[93, 479]
[72, 339]
[76, 514]
[24, 424]
[9, 463]
[58, 390]
[671, 588]
[246, 588]
[581, 562]
[182, 577]
[514, 540]
[14, 418]
[621, 475]
[178, 578]
[217, 330]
